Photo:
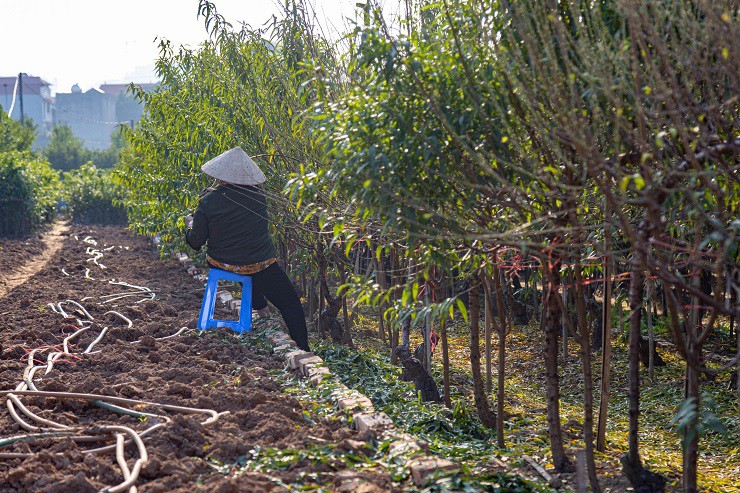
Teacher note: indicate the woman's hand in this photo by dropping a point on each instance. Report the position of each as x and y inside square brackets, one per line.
[189, 221]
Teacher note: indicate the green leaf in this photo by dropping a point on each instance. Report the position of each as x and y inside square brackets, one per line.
[461, 308]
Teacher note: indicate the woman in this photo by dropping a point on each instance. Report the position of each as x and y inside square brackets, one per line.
[232, 220]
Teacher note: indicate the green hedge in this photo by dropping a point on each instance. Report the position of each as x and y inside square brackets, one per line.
[92, 196]
[29, 192]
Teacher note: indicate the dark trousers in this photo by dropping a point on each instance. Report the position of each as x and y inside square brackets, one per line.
[273, 285]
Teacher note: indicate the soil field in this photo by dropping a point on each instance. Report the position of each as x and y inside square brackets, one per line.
[211, 371]
[15, 251]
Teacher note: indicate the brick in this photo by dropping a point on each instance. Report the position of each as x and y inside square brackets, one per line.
[278, 336]
[317, 379]
[340, 392]
[318, 370]
[351, 482]
[294, 357]
[281, 341]
[287, 356]
[312, 361]
[404, 446]
[307, 368]
[372, 421]
[422, 468]
[355, 402]
[279, 352]
[285, 348]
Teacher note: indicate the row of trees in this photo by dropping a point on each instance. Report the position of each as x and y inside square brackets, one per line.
[28, 186]
[32, 190]
[66, 152]
[469, 149]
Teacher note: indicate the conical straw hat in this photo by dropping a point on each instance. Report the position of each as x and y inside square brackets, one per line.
[234, 166]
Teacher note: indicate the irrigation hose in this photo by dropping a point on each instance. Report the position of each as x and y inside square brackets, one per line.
[35, 417]
[130, 476]
[46, 428]
[214, 415]
[121, 459]
[59, 305]
[96, 341]
[110, 448]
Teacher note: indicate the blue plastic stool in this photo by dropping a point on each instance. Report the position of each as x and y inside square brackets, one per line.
[206, 320]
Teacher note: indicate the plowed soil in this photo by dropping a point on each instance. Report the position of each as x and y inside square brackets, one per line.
[213, 370]
[16, 251]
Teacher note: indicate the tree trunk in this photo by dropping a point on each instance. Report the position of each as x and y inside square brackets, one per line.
[381, 328]
[550, 322]
[381, 280]
[313, 301]
[640, 478]
[735, 292]
[393, 326]
[651, 333]
[321, 309]
[606, 358]
[691, 449]
[502, 333]
[481, 402]
[445, 363]
[347, 336]
[445, 348]
[304, 286]
[427, 335]
[563, 324]
[487, 317]
[588, 398]
[637, 281]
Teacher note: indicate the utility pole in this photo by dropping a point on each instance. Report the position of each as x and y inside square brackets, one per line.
[20, 94]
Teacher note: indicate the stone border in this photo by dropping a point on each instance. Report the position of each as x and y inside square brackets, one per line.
[354, 404]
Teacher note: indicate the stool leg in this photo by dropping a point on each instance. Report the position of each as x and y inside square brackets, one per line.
[209, 302]
[245, 316]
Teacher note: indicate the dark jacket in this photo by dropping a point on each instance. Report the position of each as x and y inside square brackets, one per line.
[232, 219]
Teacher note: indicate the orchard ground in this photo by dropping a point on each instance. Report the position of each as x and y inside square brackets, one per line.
[279, 434]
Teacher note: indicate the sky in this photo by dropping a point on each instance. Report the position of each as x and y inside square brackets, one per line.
[91, 42]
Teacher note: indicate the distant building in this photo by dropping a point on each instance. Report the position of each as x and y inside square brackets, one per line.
[96, 114]
[91, 115]
[128, 109]
[38, 105]
[117, 89]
